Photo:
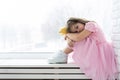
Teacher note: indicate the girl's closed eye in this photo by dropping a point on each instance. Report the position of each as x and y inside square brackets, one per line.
[76, 27]
[75, 32]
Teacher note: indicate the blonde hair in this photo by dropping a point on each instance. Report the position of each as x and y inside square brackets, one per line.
[73, 21]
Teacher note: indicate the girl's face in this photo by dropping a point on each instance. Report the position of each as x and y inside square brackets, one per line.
[76, 28]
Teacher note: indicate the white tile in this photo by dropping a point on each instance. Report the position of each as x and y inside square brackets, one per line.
[116, 44]
[116, 37]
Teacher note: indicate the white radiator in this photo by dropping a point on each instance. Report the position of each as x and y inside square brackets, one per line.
[38, 69]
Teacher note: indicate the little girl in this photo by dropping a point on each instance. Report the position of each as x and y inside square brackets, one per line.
[91, 52]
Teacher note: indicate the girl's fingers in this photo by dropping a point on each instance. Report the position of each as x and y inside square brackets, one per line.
[71, 44]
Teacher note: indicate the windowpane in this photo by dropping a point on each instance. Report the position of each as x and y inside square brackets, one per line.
[32, 25]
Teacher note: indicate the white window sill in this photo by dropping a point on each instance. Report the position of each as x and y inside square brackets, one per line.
[31, 63]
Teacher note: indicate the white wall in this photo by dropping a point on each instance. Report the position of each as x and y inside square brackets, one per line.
[116, 29]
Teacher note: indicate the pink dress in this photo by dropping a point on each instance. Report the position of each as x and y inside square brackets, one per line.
[94, 55]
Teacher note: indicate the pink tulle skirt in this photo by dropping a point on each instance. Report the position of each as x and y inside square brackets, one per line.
[97, 61]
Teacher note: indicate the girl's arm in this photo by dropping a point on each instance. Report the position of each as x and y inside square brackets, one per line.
[70, 42]
[79, 36]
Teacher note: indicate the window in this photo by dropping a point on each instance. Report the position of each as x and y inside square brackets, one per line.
[32, 25]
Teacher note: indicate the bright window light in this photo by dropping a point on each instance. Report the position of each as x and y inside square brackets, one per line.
[32, 25]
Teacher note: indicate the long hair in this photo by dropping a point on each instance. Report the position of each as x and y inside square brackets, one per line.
[73, 21]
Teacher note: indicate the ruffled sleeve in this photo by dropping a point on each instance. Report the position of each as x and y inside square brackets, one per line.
[91, 26]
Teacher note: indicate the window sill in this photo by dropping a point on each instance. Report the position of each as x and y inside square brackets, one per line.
[31, 63]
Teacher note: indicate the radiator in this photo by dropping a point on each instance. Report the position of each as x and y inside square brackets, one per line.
[38, 69]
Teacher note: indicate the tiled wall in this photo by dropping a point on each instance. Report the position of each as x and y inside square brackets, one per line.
[116, 29]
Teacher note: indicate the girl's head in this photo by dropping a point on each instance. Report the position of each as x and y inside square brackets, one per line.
[76, 25]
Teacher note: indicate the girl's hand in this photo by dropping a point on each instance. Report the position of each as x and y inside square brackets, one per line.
[65, 37]
[70, 42]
